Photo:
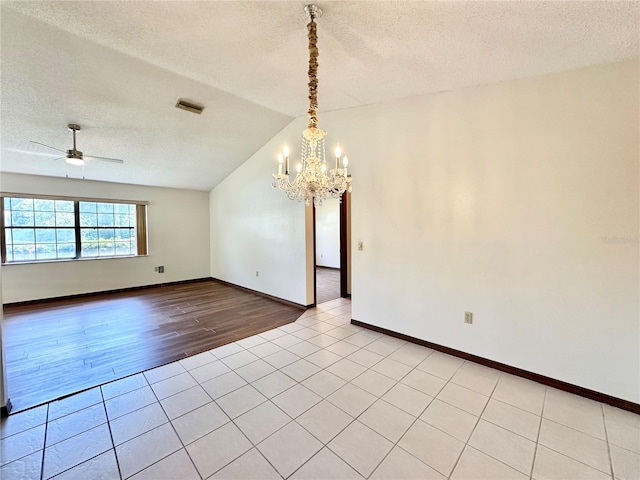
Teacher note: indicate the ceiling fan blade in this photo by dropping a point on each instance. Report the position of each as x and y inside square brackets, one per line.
[48, 146]
[42, 154]
[103, 159]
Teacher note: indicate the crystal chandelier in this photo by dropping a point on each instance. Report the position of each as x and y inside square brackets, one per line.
[314, 180]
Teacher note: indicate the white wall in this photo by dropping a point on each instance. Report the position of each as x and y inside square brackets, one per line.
[499, 200]
[178, 235]
[328, 234]
[255, 228]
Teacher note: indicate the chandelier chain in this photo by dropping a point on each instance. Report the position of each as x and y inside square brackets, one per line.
[313, 74]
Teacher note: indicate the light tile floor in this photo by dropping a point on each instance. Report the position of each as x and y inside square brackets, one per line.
[321, 399]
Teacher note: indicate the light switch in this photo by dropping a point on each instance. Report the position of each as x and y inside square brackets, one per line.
[360, 245]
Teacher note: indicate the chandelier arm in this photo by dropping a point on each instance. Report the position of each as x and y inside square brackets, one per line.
[313, 73]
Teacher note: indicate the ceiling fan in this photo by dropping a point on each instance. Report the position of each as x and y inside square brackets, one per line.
[75, 156]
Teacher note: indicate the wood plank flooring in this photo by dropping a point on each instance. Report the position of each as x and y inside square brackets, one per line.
[60, 347]
[327, 284]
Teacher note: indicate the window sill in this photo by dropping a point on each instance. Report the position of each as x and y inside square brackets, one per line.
[67, 260]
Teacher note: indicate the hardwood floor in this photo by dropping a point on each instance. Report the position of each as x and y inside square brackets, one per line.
[60, 347]
[327, 284]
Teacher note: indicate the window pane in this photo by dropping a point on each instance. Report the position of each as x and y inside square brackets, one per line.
[64, 219]
[89, 249]
[89, 234]
[105, 220]
[106, 249]
[45, 219]
[7, 203]
[105, 207]
[22, 253]
[88, 207]
[64, 206]
[23, 236]
[8, 237]
[123, 248]
[65, 235]
[88, 219]
[45, 235]
[106, 234]
[7, 217]
[122, 220]
[22, 204]
[21, 219]
[66, 250]
[45, 251]
[43, 205]
[125, 233]
[9, 253]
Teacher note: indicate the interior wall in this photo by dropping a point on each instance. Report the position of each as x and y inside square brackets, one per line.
[178, 239]
[328, 234]
[516, 201]
[258, 236]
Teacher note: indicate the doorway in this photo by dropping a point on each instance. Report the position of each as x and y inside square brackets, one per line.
[332, 249]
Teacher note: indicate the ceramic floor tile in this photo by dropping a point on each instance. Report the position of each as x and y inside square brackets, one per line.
[173, 385]
[178, 465]
[255, 340]
[387, 420]
[19, 422]
[209, 371]
[250, 466]
[323, 383]
[289, 448]
[183, 402]
[300, 370]
[411, 355]
[408, 399]
[303, 349]
[75, 423]
[623, 428]
[76, 450]
[146, 449]
[226, 350]
[255, 370]
[359, 340]
[262, 421]
[344, 349]
[102, 467]
[323, 358]
[199, 422]
[296, 400]
[124, 385]
[475, 381]
[217, 449]
[434, 447]
[286, 341]
[576, 412]
[513, 419]
[74, 403]
[324, 421]
[305, 333]
[21, 444]
[273, 384]
[162, 373]
[463, 398]
[224, 384]
[240, 359]
[550, 465]
[340, 333]
[361, 447]
[457, 423]
[272, 334]
[374, 382]
[391, 368]
[136, 423]
[365, 357]
[326, 465]
[441, 365]
[240, 401]
[291, 327]
[381, 348]
[400, 465]
[626, 464]
[129, 402]
[503, 445]
[474, 464]
[425, 382]
[323, 340]
[346, 369]
[521, 393]
[322, 327]
[265, 349]
[198, 360]
[577, 445]
[25, 468]
[281, 359]
[351, 399]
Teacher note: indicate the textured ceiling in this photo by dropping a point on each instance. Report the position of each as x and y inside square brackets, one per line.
[117, 69]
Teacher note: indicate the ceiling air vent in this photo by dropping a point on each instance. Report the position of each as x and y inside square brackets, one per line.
[189, 106]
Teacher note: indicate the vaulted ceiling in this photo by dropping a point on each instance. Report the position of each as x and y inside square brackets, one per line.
[118, 68]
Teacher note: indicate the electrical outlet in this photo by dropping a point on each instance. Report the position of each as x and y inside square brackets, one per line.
[161, 269]
[468, 317]
[257, 273]
[360, 245]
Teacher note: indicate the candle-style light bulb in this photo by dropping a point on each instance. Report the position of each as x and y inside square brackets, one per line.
[299, 167]
[285, 151]
[323, 168]
[345, 163]
[338, 152]
[280, 162]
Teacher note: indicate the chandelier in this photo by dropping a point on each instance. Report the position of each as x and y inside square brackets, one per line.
[314, 179]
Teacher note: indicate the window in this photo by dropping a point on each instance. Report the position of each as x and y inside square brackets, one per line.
[48, 228]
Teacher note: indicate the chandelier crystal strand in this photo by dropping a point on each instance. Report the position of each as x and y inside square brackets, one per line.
[314, 180]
